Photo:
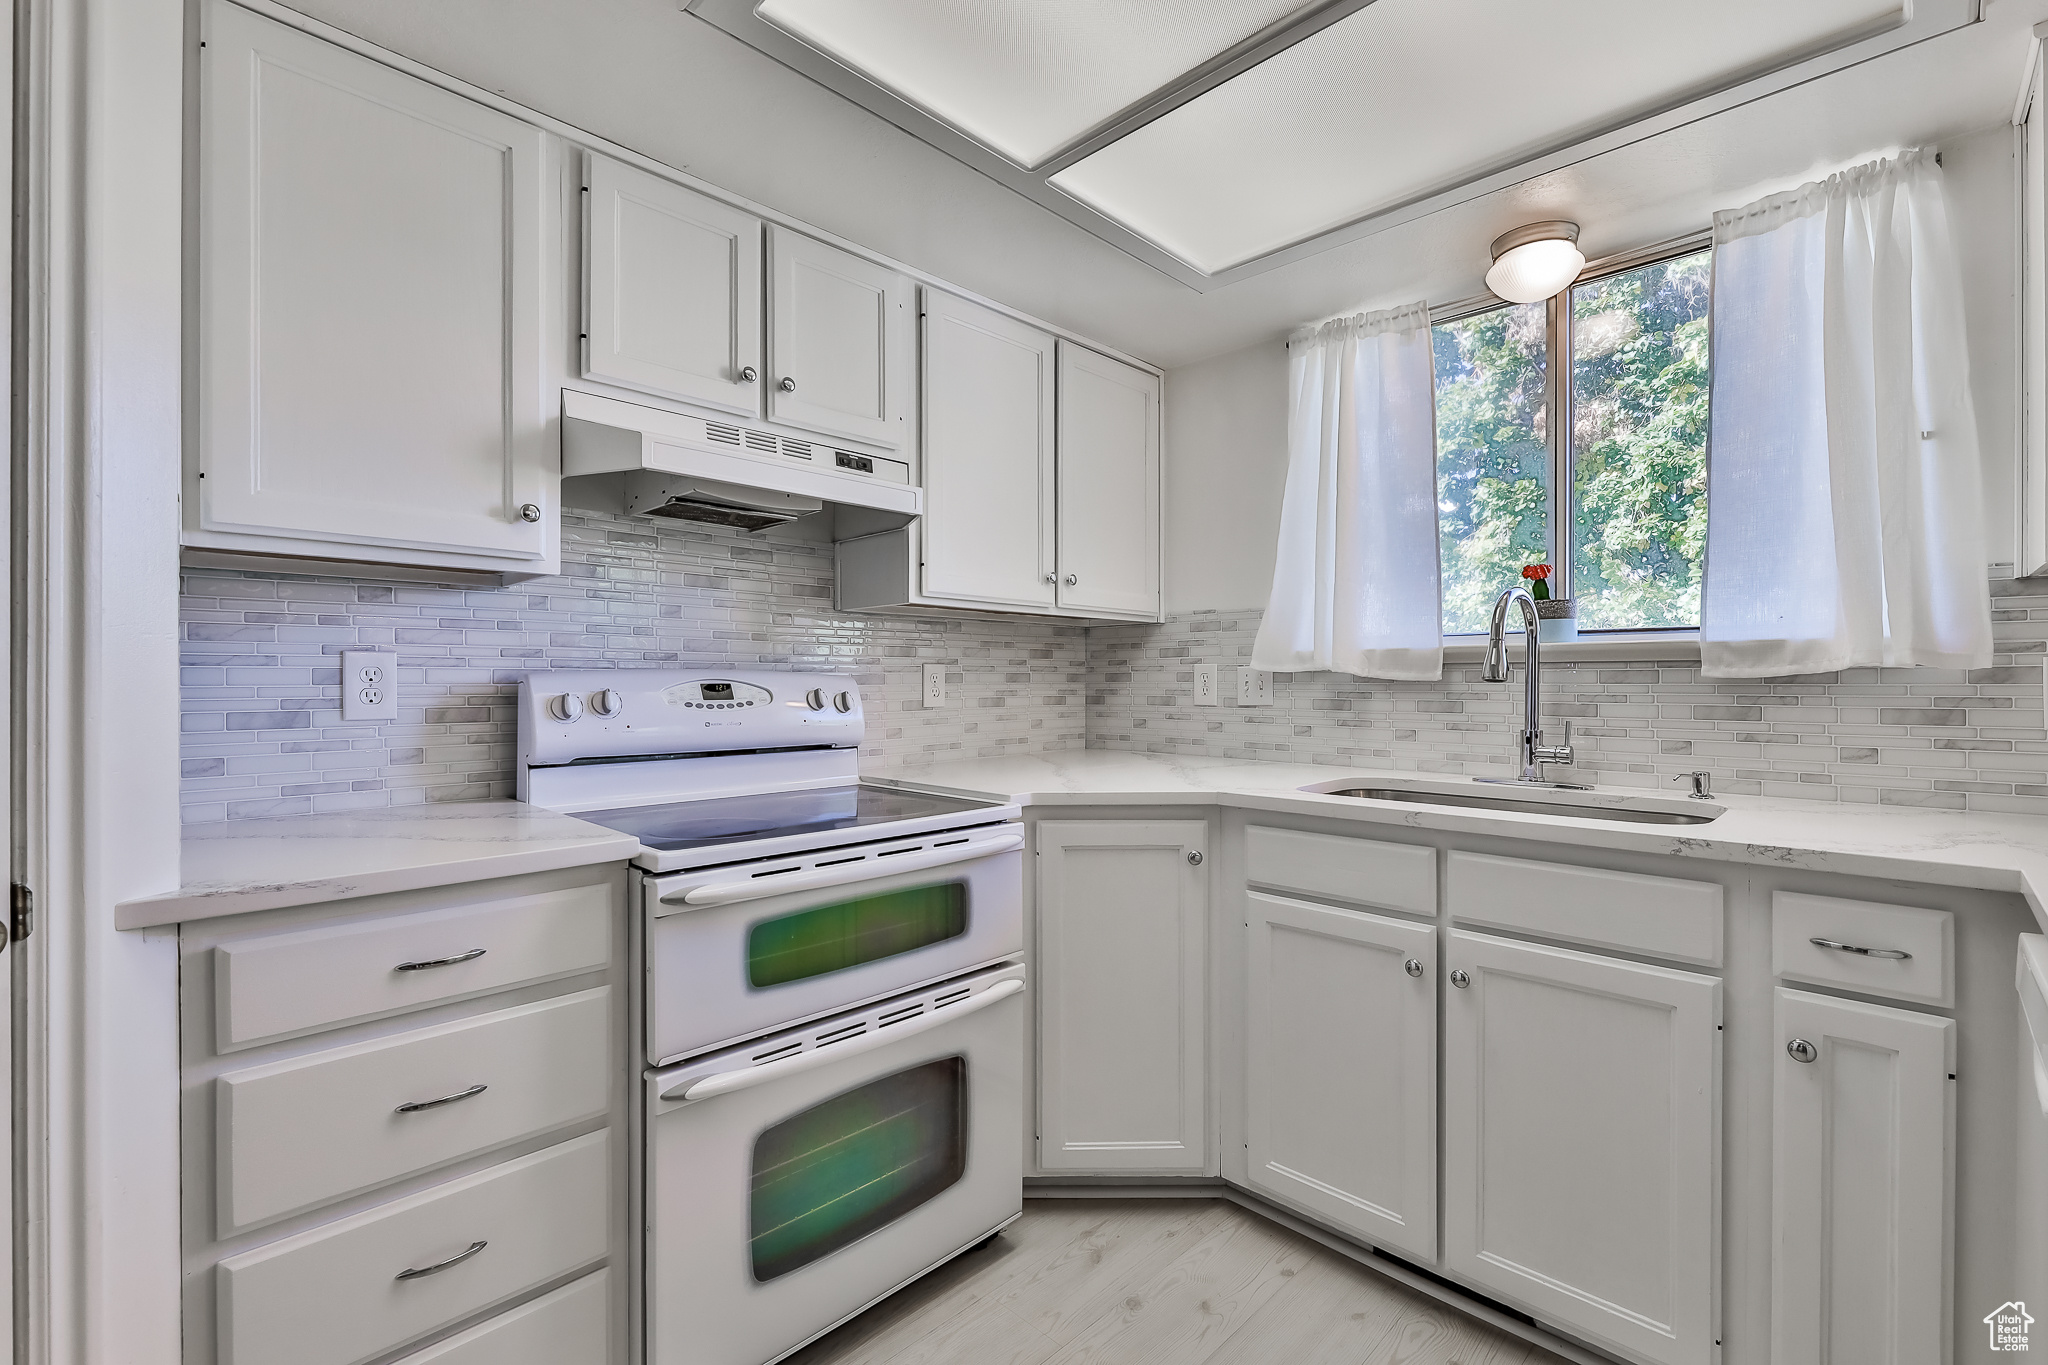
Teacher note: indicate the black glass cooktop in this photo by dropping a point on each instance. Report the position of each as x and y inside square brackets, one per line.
[772, 815]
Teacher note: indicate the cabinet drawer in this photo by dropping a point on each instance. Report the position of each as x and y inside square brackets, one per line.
[570, 1325]
[332, 1296]
[296, 1134]
[1926, 974]
[1364, 871]
[1656, 916]
[282, 985]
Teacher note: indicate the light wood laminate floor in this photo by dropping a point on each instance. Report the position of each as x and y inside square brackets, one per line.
[1159, 1282]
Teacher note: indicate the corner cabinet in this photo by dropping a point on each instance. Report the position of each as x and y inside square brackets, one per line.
[1340, 1068]
[370, 284]
[1122, 997]
[1041, 479]
[1581, 1156]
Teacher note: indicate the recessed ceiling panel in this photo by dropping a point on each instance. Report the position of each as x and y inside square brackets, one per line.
[1025, 78]
[1408, 97]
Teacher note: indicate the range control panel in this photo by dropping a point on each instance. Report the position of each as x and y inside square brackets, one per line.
[570, 714]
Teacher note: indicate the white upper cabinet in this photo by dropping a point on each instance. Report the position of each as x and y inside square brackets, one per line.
[1108, 486]
[1340, 1068]
[989, 481]
[1862, 1169]
[1581, 1158]
[841, 342]
[370, 312]
[671, 290]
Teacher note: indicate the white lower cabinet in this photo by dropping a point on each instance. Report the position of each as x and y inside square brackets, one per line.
[1581, 1147]
[1340, 1068]
[1123, 953]
[1862, 1172]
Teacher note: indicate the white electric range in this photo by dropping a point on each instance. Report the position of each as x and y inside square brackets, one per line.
[831, 984]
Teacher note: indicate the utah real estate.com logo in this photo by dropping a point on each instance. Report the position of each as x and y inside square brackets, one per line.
[2008, 1325]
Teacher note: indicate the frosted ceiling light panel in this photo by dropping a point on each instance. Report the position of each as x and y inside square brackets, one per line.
[1025, 78]
[1406, 97]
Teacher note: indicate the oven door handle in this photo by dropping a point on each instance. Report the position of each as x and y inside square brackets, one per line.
[866, 870]
[726, 1082]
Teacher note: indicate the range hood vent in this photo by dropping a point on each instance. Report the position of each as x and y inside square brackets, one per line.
[724, 472]
[682, 498]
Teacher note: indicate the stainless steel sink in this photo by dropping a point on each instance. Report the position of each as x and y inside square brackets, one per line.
[1579, 810]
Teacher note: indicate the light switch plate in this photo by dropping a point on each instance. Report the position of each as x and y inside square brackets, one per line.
[1252, 686]
[1205, 685]
[934, 685]
[369, 685]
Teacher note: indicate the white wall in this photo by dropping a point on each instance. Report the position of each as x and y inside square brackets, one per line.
[1226, 418]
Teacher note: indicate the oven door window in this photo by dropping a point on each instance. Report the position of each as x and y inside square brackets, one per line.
[831, 938]
[827, 1177]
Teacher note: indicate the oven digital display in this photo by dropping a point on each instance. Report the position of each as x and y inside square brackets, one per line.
[714, 691]
[717, 695]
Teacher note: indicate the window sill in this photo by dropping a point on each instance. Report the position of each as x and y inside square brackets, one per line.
[1678, 646]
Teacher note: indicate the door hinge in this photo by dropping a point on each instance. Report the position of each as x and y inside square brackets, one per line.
[21, 919]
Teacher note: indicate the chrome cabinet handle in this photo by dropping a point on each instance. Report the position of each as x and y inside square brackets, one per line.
[417, 1105]
[1194, 857]
[472, 955]
[1461, 979]
[787, 385]
[529, 511]
[748, 374]
[1072, 579]
[457, 1259]
[1052, 578]
[1889, 954]
[1413, 966]
[1799, 1050]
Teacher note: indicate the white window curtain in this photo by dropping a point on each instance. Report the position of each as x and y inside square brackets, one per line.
[1355, 583]
[1845, 524]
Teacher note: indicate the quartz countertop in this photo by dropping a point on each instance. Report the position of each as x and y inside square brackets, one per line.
[1951, 848]
[237, 866]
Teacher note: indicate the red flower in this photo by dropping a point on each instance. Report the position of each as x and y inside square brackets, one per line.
[1539, 572]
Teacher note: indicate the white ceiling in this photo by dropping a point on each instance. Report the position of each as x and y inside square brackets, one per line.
[1025, 80]
[1406, 97]
[644, 74]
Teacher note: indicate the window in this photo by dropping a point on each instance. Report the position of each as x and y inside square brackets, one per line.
[1614, 499]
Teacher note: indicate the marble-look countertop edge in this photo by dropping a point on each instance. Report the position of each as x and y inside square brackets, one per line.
[247, 880]
[1986, 864]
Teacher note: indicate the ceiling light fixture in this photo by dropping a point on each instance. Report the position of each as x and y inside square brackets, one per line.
[1533, 262]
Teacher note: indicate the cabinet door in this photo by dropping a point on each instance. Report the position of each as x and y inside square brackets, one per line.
[988, 456]
[671, 290]
[1108, 485]
[1581, 1149]
[1123, 952]
[1861, 1177]
[370, 293]
[840, 342]
[1340, 1065]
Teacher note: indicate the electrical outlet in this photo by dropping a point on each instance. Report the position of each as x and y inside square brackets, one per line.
[1205, 685]
[934, 685]
[1254, 687]
[369, 685]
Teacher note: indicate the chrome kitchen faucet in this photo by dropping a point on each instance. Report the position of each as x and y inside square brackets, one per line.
[1530, 752]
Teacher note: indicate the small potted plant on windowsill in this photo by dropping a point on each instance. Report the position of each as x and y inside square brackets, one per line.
[1557, 617]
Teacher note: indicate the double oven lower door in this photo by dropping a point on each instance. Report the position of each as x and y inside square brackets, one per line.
[736, 951]
[796, 1179]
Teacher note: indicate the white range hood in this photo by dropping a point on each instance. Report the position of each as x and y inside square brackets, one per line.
[726, 473]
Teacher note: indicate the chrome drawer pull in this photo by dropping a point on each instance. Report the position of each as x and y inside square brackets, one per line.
[1889, 954]
[472, 955]
[417, 1105]
[457, 1259]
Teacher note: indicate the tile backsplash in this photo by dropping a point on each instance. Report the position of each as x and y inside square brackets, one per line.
[263, 733]
[1919, 737]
